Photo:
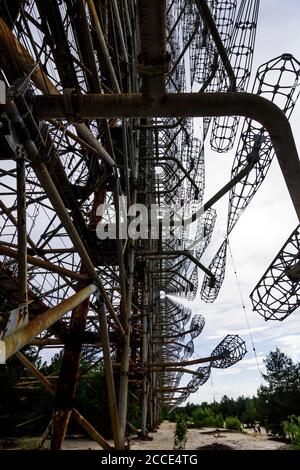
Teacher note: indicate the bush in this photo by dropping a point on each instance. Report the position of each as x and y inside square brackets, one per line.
[233, 423]
[292, 429]
[219, 421]
[180, 434]
[206, 417]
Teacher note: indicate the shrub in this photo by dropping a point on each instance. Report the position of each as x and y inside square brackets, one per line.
[292, 429]
[206, 417]
[180, 434]
[219, 421]
[233, 423]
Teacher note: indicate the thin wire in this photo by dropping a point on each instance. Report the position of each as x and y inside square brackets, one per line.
[245, 312]
[212, 386]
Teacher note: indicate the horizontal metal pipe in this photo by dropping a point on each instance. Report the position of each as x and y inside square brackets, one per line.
[186, 363]
[180, 369]
[6, 251]
[20, 338]
[251, 106]
[176, 253]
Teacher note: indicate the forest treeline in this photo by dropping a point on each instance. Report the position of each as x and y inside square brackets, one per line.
[276, 401]
[25, 406]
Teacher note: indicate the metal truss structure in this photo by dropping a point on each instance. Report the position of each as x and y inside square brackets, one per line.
[278, 80]
[97, 112]
[277, 294]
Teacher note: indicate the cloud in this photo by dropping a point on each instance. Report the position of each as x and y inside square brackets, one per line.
[244, 331]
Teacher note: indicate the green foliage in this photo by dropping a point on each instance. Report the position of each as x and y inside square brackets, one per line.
[27, 410]
[20, 405]
[219, 421]
[180, 433]
[205, 416]
[275, 401]
[30, 407]
[250, 415]
[233, 424]
[281, 397]
[292, 429]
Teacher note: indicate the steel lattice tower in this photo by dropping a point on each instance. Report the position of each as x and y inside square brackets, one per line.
[97, 105]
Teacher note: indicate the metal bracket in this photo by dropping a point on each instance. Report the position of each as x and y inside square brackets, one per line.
[18, 318]
[2, 92]
[2, 352]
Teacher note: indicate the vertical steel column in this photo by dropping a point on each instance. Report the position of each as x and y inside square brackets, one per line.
[68, 376]
[102, 43]
[22, 234]
[120, 29]
[153, 67]
[123, 390]
[144, 358]
[108, 370]
[75, 414]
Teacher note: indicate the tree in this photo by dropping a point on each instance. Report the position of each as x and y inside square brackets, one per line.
[249, 416]
[180, 434]
[280, 371]
[228, 406]
[281, 397]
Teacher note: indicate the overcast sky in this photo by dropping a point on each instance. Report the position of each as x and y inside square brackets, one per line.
[260, 233]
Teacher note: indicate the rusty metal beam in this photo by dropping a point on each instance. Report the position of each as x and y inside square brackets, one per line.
[152, 29]
[47, 265]
[175, 254]
[191, 105]
[20, 338]
[22, 233]
[10, 45]
[185, 363]
[102, 43]
[68, 374]
[8, 212]
[208, 18]
[109, 376]
[75, 414]
[53, 194]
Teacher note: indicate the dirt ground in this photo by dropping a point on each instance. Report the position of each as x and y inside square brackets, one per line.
[163, 439]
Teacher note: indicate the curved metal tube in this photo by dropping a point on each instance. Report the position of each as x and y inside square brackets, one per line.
[190, 105]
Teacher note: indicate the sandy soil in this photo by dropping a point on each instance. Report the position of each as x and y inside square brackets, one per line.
[163, 439]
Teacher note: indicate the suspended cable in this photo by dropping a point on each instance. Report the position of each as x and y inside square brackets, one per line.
[245, 313]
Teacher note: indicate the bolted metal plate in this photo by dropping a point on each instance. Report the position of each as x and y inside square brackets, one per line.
[18, 318]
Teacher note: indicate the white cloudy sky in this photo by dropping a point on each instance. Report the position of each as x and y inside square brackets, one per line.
[258, 236]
